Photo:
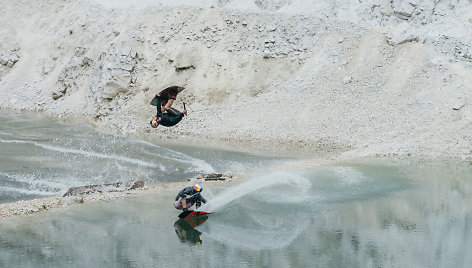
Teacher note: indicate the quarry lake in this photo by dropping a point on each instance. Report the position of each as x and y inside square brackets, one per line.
[369, 213]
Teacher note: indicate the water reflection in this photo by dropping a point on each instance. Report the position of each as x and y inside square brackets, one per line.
[185, 229]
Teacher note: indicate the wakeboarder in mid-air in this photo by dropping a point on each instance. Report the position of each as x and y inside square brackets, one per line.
[166, 115]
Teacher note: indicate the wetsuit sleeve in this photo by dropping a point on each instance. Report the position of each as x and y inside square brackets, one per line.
[184, 192]
[159, 109]
[202, 199]
[180, 194]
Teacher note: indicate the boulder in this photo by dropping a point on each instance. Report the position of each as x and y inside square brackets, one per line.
[100, 188]
[212, 177]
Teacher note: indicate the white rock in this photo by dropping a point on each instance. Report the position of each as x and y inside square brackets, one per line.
[347, 79]
[266, 53]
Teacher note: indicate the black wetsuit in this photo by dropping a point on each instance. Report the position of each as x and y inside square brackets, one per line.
[193, 199]
[170, 118]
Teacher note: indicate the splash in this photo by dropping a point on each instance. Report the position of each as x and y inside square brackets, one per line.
[279, 187]
[264, 212]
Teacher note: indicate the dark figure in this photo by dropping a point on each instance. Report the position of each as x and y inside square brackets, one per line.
[186, 232]
[166, 98]
[166, 115]
[188, 197]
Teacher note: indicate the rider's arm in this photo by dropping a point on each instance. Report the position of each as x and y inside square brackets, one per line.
[168, 105]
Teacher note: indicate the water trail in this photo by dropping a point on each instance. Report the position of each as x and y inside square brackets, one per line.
[33, 180]
[179, 157]
[25, 191]
[198, 163]
[272, 206]
[90, 153]
[295, 189]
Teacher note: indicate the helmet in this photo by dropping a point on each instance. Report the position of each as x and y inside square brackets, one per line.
[154, 123]
[197, 187]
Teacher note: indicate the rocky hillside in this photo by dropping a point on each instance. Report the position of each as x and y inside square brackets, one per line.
[363, 78]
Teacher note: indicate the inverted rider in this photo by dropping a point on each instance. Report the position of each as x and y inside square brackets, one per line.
[166, 115]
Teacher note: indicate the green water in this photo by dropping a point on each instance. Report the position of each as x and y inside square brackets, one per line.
[40, 157]
[373, 213]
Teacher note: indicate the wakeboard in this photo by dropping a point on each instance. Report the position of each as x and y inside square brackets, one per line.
[192, 213]
[165, 93]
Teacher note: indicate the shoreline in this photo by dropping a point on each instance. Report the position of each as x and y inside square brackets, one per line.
[44, 205]
[296, 148]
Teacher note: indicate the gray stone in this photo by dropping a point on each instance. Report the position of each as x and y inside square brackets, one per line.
[212, 177]
[458, 104]
[404, 10]
[58, 94]
[401, 34]
[183, 67]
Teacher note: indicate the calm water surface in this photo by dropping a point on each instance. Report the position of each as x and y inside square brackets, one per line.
[365, 214]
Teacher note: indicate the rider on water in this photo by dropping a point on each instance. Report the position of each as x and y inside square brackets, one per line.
[188, 197]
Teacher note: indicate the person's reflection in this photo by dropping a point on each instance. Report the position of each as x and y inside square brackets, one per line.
[185, 229]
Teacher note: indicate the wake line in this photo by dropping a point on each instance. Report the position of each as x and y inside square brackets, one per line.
[15, 141]
[193, 161]
[188, 159]
[92, 154]
[23, 191]
[32, 180]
